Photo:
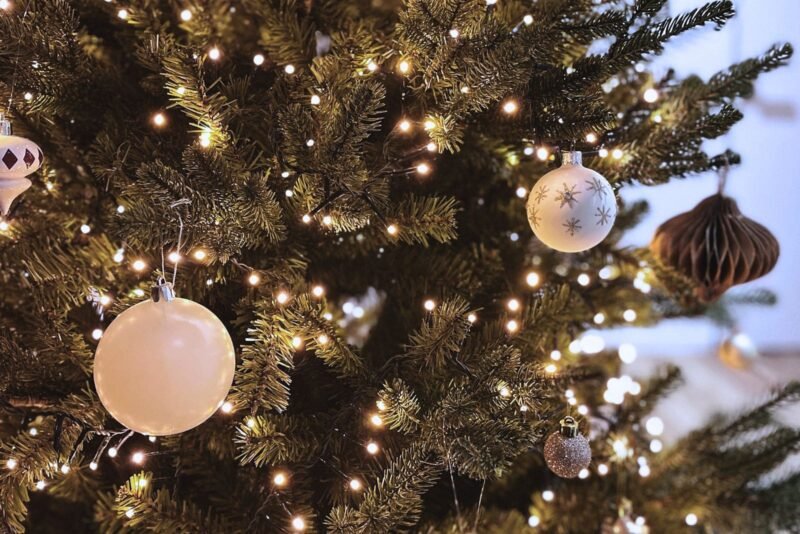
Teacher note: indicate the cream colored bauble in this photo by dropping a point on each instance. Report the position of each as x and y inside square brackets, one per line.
[164, 365]
[19, 157]
[572, 208]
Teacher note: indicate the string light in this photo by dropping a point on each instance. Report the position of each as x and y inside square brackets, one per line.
[318, 291]
[602, 469]
[629, 315]
[376, 420]
[542, 153]
[298, 523]
[510, 107]
[617, 153]
[372, 448]
[123, 14]
[551, 368]
[315, 100]
[429, 124]
[583, 409]
[584, 279]
[105, 300]
[404, 125]
[654, 426]
[555, 355]
[404, 66]
[532, 279]
[429, 304]
[306, 218]
[603, 153]
[93, 466]
[381, 405]
[289, 69]
[583, 473]
[355, 484]
[423, 168]
[327, 220]
[548, 495]
[33, 431]
[186, 15]
[5, 5]
[521, 192]
[214, 54]
[85, 228]
[599, 318]
[258, 60]
[627, 353]
[129, 513]
[534, 521]
[97, 333]
[174, 257]
[591, 137]
[139, 265]
[40, 485]
[205, 138]
[651, 95]
[431, 147]
[310, 143]
[454, 33]
[372, 66]
[505, 392]
[656, 446]
[11, 463]
[4, 226]
[323, 339]
[159, 119]
[151, 439]
[227, 407]
[472, 318]
[280, 479]
[464, 89]
[282, 297]
[297, 342]
[28, 96]
[391, 229]
[251, 422]
[199, 254]
[137, 457]
[691, 519]
[112, 452]
[253, 279]
[513, 305]
[528, 20]
[512, 326]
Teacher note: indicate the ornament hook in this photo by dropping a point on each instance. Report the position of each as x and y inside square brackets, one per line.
[162, 290]
[569, 427]
[571, 157]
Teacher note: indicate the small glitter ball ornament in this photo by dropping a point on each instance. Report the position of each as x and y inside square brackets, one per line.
[567, 451]
[164, 365]
[19, 157]
[572, 208]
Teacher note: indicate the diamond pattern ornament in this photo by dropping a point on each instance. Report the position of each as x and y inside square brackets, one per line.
[19, 157]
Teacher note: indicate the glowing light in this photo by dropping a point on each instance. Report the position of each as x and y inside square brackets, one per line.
[551, 368]
[214, 54]
[584, 279]
[691, 519]
[521, 192]
[534, 521]
[548, 495]
[404, 66]
[297, 342]
[123, 14]
[327, 220]
[199, 254]
[654, 426]
[603, 153]
[617, 153]
[555, 355]
[323, 339]
[112, 452]
[315, 100]
[11, 463]
[656, 446]
[306, 218]
[454, 33]
[372, 448]
[464, 89]
[591, 137]
[651, 95]
[33, 431]
[644, 470]
[40, 485]
[372, 66]
[629, 315]
[137, 457]
[392, 229]
[139, 265]
[381, 405]
[174, 257]
[93, 466]
[129, 513]
[258, 60]
[505, 392]
[310, 143]
[151, 439]
[251, 422]
[318, 291]
[431, 147]
[513, 305]
[583, 409]
[119, 255]
[227, 407]
[620, 447]
[602, 469]
[97, 333]
[532, 279]
[528, 20]
[282, 297]
[429, 305]
[289, 69]
[280, 479]
[627, 353]
[583, 473]
[510, 107]
[575, 346]
[542, 153]
[404, 125]
[429, 124]
[159, 119]
[186, 15]
[512, 326]
[472, 318]
[423, 168]
[355, 484]
[599, 318]
[85, 228]
[5, 5]
[253, 279]
[4, 226]
[376, 420]
[298, 523]
[592, 344]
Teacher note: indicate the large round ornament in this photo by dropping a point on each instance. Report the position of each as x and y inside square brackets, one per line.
[716, 246]
[19, 157]
[572, 208]
[165, 365]
[567, 451]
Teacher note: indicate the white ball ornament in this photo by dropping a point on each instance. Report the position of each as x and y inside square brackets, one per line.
[572, 208]
[19, 157]
[165, 365]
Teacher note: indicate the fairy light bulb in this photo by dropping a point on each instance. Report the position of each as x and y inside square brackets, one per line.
[214, 54]
[315, 100]
[584, 279]
[205, 138]
[105, 300]
[629, 315]
[617, 153]
[555, 355]
[512, 326]
[4, 226]
[513, 305]
[227, 407]
[151, 439]
[534, 521]
[5, 5]
[381, 405]
[602, 469]
[129, 513]
[250, 422]
[551, 368]
[464, 89]
[429, 124]
[186, 15]
[505, 392]
[521, 192]
[11, 463]
[355, 484]
[691, 519]
[528, 20]
[654, 426]
[472, 318]
[376, 420]
[423, 169]
[85, 228]
[542, 153]
[391, 229]
[510, 107]
[123, 14]
[258, 60]
[583, 473]
[174, 257]
[137, 457]
[97, 333]
[656, 446]
[159, 119]
[280, 479]
[40, 485]
[372, 448]
[627, 353]
[112, 452]
[583, 409]
[548, 496]
[591, 137]
[289, 69]
[429, 305]
[199, 254]
[603, 153]
[282, 297]
[651, 95]
[298, 523]
[327, 220]
[306, 218]
[404, 66]
[404, 125]
[310, 143]
[33, 431]
[323, 339]
[93, 466]
[297, 342]
[454, 33]
[599, 318]
[139, 265]
[318, 291]
[253, 279]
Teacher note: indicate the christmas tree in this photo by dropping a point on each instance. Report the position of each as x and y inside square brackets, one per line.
[343, 184]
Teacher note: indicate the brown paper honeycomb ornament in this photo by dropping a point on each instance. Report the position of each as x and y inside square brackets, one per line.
[716, 246]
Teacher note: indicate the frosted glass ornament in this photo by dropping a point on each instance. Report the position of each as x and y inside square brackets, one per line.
[572, 208]
[164, 366]
[19, 157]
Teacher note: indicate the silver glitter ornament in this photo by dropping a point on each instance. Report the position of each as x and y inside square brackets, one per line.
[567, 451]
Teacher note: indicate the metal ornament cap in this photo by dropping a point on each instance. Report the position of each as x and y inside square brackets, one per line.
[567, 451]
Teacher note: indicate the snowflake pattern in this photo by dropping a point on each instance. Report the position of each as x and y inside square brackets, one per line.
[533, 216]
[603, 214]
[597, 187]
[573, 226]
[567, 196]
[541, 193]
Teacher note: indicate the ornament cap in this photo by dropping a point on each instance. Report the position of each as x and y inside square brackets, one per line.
[163, 290]
[5, 125]
[571, 157]
[569, 427]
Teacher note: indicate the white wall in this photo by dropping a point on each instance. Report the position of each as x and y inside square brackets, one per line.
[766, 185]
